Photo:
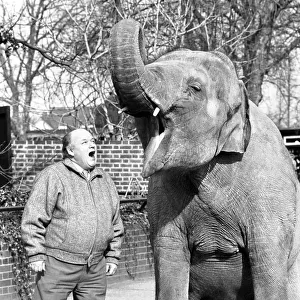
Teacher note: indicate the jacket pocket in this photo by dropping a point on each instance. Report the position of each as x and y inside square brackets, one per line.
[56, 232]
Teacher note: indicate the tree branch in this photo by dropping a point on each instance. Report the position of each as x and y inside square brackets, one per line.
[293, 45]
[44, 53]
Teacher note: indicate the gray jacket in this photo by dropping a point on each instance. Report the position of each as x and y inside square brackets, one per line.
[71, 218]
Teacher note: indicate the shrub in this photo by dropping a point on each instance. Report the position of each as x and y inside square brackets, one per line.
[11, 235]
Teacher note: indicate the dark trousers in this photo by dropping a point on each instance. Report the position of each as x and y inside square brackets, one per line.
[61, 278]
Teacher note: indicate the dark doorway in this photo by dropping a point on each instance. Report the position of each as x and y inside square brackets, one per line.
[5, 145]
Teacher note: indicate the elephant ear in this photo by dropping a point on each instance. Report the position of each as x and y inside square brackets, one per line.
[235, 133]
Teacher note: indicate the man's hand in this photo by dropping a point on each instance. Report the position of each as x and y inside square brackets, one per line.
[111, 269]
[37, 266]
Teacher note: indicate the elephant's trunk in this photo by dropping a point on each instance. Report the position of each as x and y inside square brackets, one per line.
[129, 75]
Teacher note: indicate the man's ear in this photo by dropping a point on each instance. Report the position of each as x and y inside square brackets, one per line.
[70, 151]
[235, 133]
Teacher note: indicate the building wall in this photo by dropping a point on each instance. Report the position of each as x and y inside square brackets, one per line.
[136, 262]
[121, 159]
[7, 286]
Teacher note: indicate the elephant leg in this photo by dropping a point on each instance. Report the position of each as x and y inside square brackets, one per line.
[169, 237]
[294, 260]
[294, 280]
[268, 263]
[172, 268]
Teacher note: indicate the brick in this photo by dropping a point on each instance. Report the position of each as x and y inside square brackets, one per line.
[105, 156]
[21, 151]
[12, 289]
[116, 151]
[142, 250]
[6, 260]
[142, 262]
[114, 161]
[5, 283]
[41, 151]
[116, 178]
[122, 156]
[135, 161]
[5, 253]
[5, 268]
[135, 151]
[8, 275]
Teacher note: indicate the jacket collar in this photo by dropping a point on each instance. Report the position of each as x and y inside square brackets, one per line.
[94, 172]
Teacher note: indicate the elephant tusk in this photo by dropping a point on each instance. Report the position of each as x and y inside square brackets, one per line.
[124, 109]
[156, 111]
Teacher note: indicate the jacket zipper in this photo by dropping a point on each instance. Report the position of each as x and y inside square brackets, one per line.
[96, 231]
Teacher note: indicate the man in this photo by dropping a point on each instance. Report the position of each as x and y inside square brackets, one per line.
[71, 225]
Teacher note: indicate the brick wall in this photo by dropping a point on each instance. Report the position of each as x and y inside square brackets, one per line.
[7, 286]
[136, 262]
[121, 159]
[137, 259]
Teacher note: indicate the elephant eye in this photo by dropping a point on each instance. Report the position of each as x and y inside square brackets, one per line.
[196, 87]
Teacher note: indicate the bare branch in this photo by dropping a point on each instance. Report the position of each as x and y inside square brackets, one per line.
[44, 53]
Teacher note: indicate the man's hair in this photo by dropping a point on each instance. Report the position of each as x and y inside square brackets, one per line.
[66, 141]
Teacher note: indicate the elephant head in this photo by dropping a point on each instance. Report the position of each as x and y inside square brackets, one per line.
[189, 105]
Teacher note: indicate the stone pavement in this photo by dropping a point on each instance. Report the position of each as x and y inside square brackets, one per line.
[136, 289]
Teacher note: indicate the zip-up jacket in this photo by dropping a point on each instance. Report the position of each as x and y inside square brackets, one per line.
[71, 218]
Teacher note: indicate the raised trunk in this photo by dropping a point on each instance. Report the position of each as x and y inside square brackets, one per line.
[129, 75]
[136, 84]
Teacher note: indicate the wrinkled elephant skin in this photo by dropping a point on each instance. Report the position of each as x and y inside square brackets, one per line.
[223, 194]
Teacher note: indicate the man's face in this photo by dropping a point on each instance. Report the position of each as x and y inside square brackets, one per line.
[83, 149]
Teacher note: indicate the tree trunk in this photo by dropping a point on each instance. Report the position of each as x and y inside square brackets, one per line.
[257, 47]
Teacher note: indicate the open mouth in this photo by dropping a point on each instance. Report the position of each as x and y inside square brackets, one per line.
[159, 128]
[92, 153]
[154, 160]
[161, 121]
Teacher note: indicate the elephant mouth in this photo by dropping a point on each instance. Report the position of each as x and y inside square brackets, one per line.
[156, 152]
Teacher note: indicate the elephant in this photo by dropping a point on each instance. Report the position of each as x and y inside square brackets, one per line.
[223, 196]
